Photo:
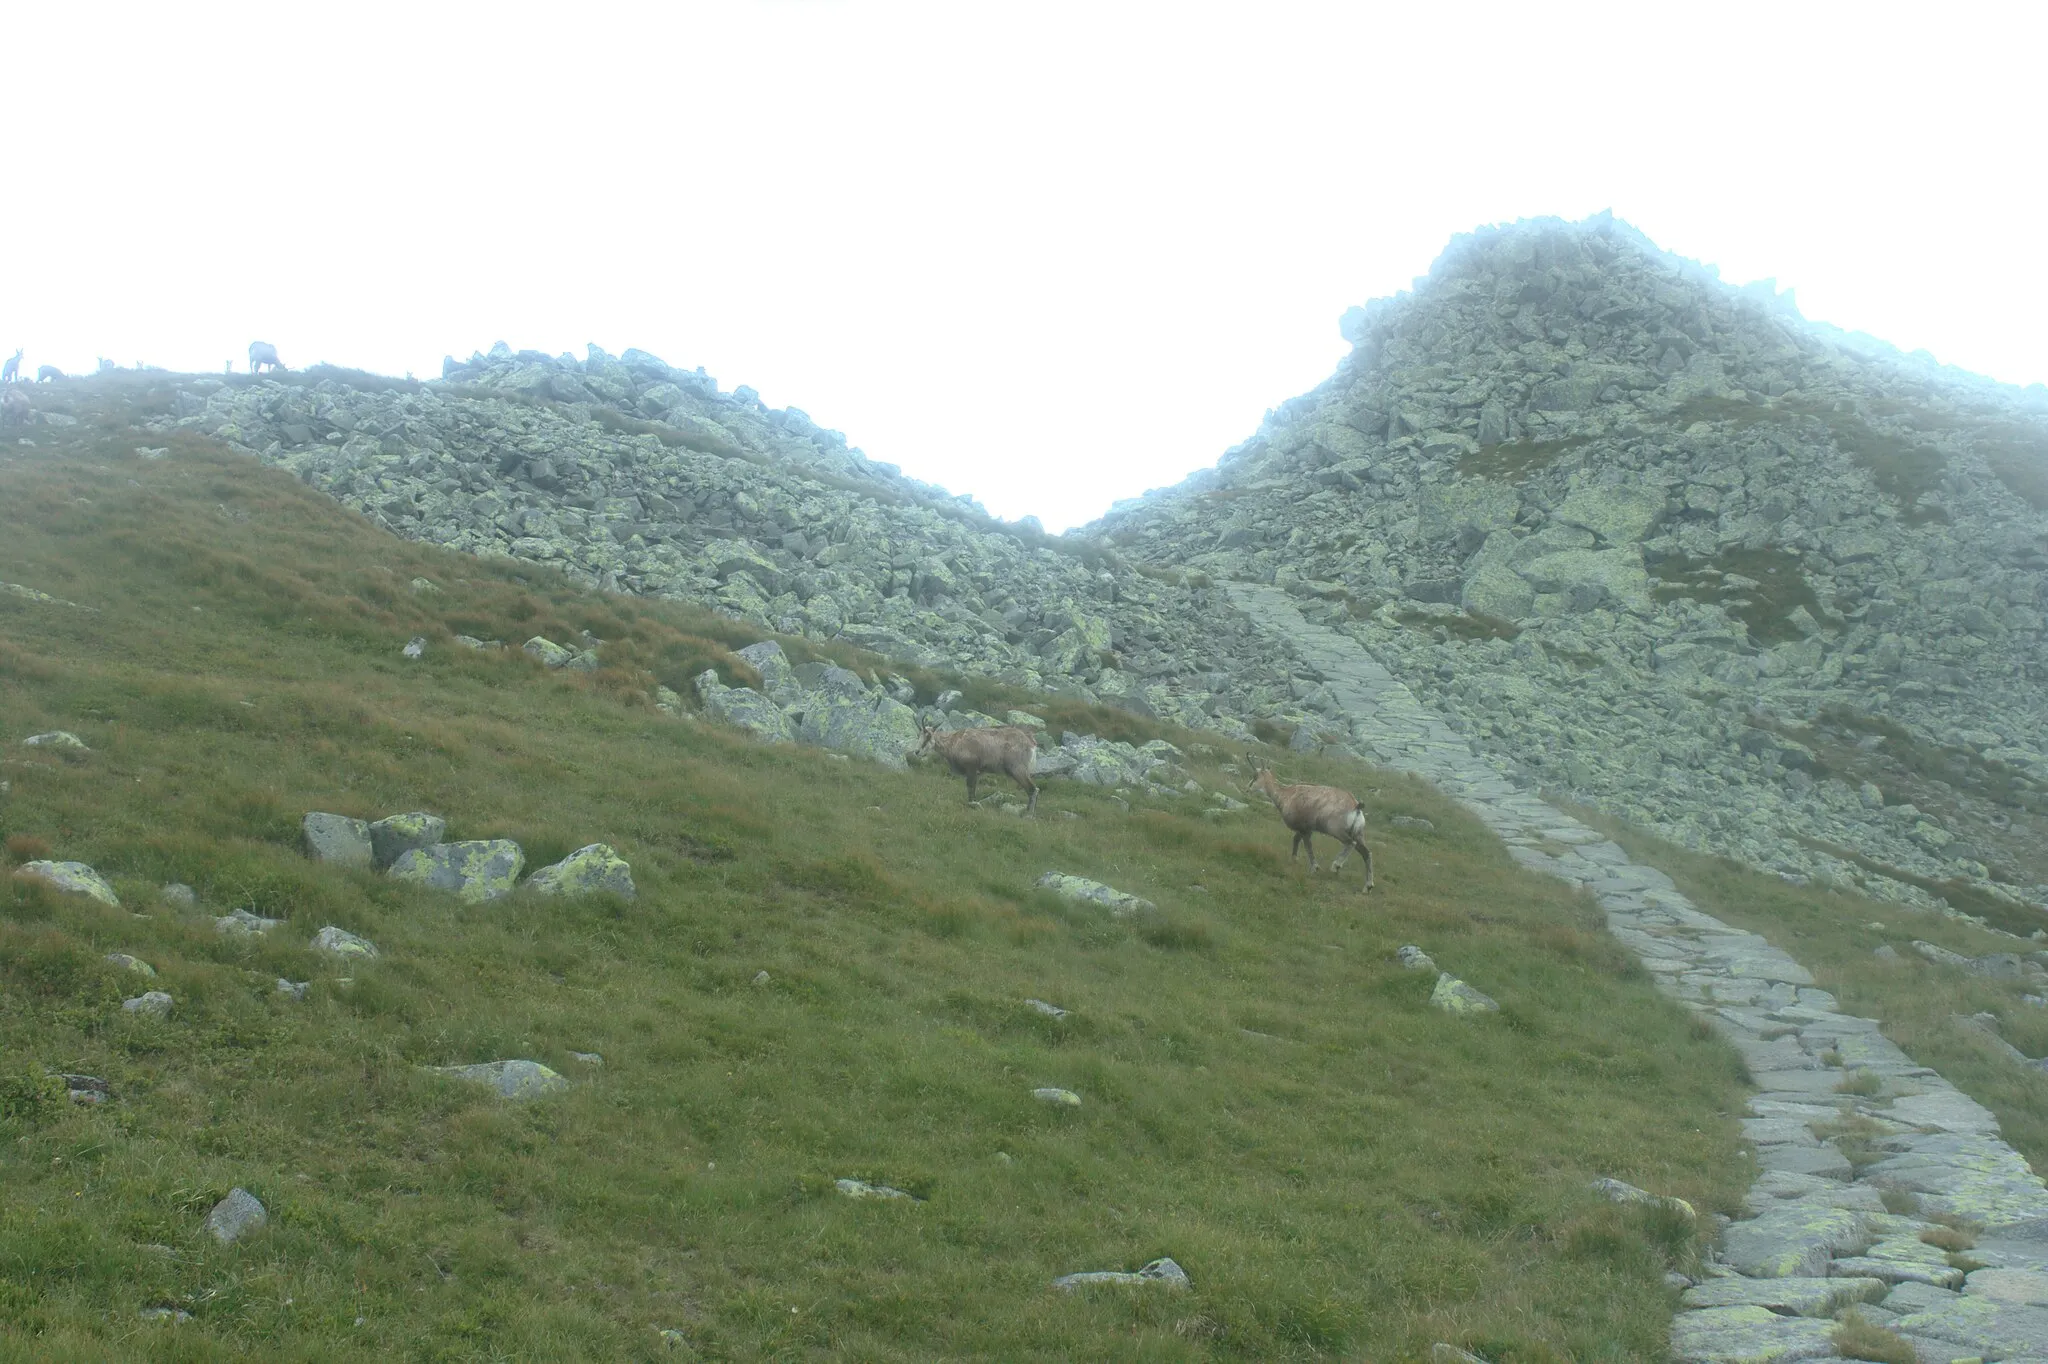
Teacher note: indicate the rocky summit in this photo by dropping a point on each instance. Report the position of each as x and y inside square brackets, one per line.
[1640, 538]
[1658, 543]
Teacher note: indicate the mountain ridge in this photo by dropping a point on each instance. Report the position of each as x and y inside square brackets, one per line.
[1656, 541]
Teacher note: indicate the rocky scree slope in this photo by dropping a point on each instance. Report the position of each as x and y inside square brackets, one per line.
[632, 476]
[1769, 589]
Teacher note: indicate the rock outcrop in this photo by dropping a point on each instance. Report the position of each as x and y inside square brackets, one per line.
[633, 476]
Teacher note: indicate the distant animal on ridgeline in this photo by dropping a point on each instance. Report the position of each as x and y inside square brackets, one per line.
[48, 372]
[11, 371]
[970, 752]
[1312, 810]
[262, 353]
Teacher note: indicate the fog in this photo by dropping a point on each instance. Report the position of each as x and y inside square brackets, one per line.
[1048, 254]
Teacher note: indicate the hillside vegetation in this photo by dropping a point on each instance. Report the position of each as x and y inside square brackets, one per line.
[1268, 1098]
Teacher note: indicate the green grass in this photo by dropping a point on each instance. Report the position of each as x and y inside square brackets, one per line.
[1916, 1001]
[1902, 469]
[1343, 1171]
[1780, 588]
[1510, 459]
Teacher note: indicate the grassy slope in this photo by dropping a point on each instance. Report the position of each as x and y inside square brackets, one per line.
[1368, 1177]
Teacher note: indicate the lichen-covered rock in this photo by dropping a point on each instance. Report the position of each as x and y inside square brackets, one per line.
[1081, 890]
[1058, 1098]
[1616, 1191]
[476, 871]
[860, 1188]
[179, 896]
[1748, 1335]
[778, 679]
[1414, 959]
[75, 878]
[1801, 1297]
[241, 923]
[1161, 1273]
[511, 1079]
[1794, 1241]
[1454, 996]
[155, 1004]
[744, 708]
[337, 839]
[62, 740]
[589, 870]
[128, 963]
[396, 835]
[339, 942]
[863, 725]
[548, 653]
[236, 1216]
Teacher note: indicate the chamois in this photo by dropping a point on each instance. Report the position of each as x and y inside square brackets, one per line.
[262, 353]
[1311, 810]
[11, 371]
[971, 752]
[48, 372]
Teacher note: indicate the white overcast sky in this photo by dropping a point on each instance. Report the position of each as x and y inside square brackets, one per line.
[1050, 254]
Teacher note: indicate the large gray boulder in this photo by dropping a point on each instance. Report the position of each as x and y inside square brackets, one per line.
[590, 870]
[744, 708]
[509, 1079]
[396, 835]
[864, 725]
[476, 871]
[778, 678]
[235, 1216]
[337, 839]
[74, 878]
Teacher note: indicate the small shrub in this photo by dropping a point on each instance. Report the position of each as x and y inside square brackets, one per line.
[1899, 1202]
[1863, 1083]
[1857, 1338]
[28, 1098]
[1178, 935]
[26, 848]
[1953, 1239]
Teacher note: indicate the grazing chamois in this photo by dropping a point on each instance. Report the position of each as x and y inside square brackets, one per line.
[1311, 810]
[971, 752]
[262, 353]
[48, 372]
[11, 371]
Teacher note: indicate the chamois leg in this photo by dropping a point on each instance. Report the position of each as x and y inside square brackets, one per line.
[1031, 803]
[1308, 840]
[972, 778]
[1366, 853]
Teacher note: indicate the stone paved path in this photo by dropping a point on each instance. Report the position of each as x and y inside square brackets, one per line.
[1818, 1237]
